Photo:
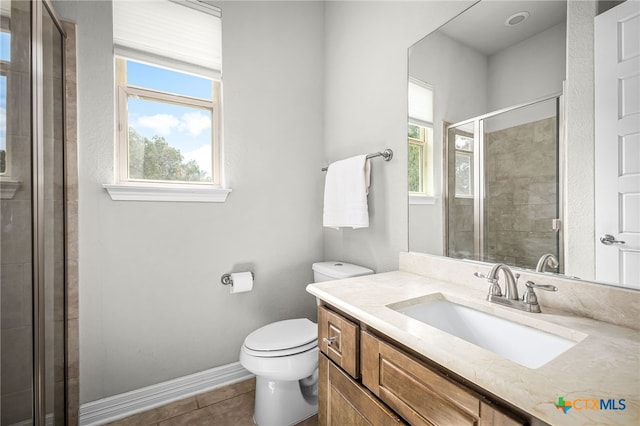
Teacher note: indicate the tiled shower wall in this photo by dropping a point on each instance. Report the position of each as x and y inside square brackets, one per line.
[521, 193]
[15, 225]
[520, 197]
[72, 278]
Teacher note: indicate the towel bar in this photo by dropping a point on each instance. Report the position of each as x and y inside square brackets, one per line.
[387, 154]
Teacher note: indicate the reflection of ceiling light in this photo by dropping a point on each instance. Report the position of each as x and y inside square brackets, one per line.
[516, 19]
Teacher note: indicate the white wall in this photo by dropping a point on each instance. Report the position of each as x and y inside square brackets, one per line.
[580, 135]
[366, 111]
[458, 75]
[151, 304]
[529, 70]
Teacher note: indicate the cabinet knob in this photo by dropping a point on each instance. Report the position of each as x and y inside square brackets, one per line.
[329, 341]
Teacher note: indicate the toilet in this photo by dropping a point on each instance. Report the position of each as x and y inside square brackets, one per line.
[284, 357]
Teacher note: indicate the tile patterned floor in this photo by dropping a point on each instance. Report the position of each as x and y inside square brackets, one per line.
[228, 406]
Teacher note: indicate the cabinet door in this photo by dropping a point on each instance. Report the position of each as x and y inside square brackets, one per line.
[344, 402]
[417, 393]
[339, 339]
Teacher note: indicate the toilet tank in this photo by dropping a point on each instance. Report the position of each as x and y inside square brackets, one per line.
[327, 271]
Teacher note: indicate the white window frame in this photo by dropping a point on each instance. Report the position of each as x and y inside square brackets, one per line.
[8, 185]
[426, 195]
[128, 188]
[125, 91]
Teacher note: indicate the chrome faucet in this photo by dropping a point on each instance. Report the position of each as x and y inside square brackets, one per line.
[529, 301]
[510, 289]
[547, 260]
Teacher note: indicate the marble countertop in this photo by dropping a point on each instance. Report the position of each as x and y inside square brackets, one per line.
[604, 364]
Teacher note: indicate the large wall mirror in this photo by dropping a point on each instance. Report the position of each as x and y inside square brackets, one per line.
[494, 173]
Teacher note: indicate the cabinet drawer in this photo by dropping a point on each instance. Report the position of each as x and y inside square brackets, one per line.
[345, 402]
[417, 393]
[339, 339]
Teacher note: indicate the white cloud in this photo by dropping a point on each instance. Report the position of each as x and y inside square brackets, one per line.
[202, 156]
[161, 124]
[195, 123]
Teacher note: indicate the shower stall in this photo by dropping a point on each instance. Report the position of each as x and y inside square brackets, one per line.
[32, 215]
[502, 186]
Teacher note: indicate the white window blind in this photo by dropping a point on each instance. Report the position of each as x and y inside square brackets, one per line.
[180, 34]
[420, 101]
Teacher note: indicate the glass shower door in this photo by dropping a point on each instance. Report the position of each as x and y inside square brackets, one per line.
[52, 234]
[32, 216]
[16, 195]
[461, 192]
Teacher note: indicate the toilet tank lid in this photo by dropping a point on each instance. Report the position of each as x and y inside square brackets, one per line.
[282, 335]
[340, 270]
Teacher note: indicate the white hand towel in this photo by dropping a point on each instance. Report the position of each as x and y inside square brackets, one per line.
[345, 193]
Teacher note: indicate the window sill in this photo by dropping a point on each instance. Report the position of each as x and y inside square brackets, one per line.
[8, 188]
[169, 193]
[422, 200]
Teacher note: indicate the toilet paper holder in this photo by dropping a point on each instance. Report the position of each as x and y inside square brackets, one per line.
[227, 280]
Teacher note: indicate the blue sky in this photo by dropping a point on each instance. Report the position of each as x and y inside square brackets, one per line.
[5, 55]
[185, 128]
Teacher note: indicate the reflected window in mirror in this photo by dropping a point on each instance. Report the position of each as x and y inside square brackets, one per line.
[464, 166]
[420, 138]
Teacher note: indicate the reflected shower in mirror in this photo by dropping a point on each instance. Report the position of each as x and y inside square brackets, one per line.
[501, 187]
[507, 161]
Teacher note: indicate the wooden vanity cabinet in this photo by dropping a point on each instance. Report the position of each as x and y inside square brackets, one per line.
[339, 339]
[418, 393]
[343, 401]
[392, 383]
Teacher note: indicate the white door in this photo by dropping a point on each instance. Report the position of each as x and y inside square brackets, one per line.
[617, 144]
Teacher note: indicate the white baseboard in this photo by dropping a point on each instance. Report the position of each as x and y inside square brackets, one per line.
[143, 399]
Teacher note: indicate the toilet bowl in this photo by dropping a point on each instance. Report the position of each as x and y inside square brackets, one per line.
[284, 357]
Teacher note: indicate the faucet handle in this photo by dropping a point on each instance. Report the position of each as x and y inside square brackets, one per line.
[494, 289]
[547, 287]
[529, 297]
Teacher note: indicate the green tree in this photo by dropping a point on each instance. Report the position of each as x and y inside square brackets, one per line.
[155, 159]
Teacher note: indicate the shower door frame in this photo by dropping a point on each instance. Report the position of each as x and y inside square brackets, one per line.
[38, 214]
[478, 174]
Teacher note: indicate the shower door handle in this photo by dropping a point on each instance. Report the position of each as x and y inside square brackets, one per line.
[608, 239]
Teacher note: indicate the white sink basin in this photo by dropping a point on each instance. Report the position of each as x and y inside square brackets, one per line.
[525, 345]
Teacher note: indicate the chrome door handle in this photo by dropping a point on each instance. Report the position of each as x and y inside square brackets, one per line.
[329, 341]
[608, 239]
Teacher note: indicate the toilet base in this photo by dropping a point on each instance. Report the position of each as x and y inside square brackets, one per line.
[285, 403]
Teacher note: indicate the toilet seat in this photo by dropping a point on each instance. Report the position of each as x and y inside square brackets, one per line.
[282, 352]
[282, 338]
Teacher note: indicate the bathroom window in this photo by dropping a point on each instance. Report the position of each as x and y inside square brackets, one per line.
[168, 125]
[168, 80]
[420, 138]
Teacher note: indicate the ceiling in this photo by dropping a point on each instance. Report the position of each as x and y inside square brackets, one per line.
[488, 19]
